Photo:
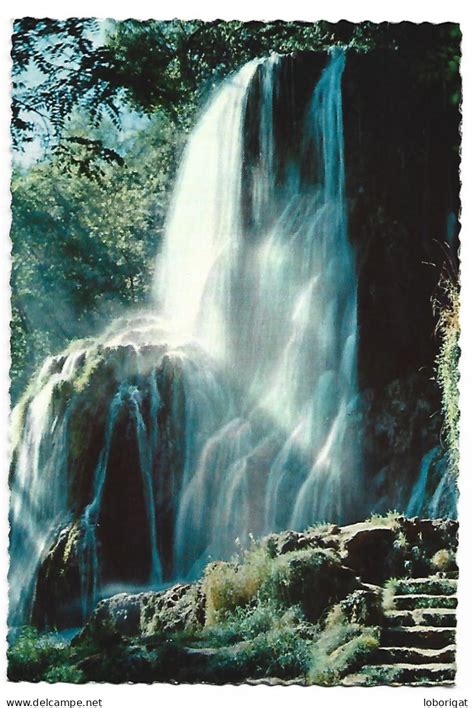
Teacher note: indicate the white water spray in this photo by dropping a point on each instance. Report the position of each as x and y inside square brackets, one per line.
[256, 284]
[278, 306]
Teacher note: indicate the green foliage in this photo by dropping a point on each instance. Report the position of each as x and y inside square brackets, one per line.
[90, 160]
[280, 653]
[84, 247]
[247, 622]
[433, 585]
[32, 655]
[172, 64]
[263, 610]
[390, 518]
[309, 578]
[88, 217]
[312, 578]
[376, 675]
[257, 609]
[340, 649]
[64, 673]
[45, 657]
[62, 65]
[447, 307]
[58, 65]
[228, 586]
[261, 639]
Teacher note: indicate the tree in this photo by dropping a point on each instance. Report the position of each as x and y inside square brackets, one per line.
[84, 245]
[172, 65]
[87, 219]
[59, 65]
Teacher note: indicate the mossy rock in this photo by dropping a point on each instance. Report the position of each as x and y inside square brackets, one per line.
[57, 600]
[313, 579]
[146, 615]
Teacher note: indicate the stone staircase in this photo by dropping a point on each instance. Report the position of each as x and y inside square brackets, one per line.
[418, 637]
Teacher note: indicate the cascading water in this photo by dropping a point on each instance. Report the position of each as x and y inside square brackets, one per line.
[435, 492]
[58, 491]
[242, 396]
[278, 306]
[39, 482]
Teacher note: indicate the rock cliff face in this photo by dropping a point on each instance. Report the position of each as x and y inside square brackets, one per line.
[401, 138]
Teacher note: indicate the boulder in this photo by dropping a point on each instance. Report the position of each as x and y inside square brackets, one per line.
[59, 595]
[363, 607]
[287, 541]
[368, 550]
[312, 578]
[146, 615]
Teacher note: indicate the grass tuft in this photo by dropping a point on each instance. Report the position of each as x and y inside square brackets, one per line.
[341, 649]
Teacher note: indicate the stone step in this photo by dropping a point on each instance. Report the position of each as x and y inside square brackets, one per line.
[415, 655]
[418, 636]
[403, 674]
[426, 586]
[433, 616]
[419, 601]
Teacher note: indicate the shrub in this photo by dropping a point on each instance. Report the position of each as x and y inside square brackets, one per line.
[281, 652]
[444, 560]
[340, 649]
[32, 654]
[380, 675]
[231, 585]
[64, 673]
[390, 518]
[311, 578]
[247, 623]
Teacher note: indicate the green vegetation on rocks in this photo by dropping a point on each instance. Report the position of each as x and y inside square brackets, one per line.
[447, 306]
[41, 657]
[340, 649]
[273, 613]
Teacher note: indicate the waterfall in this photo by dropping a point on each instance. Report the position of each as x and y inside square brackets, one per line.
[203, 224]
[435, 492]
[241, 393]
[276, 303]
[39, 483]
[140, 379]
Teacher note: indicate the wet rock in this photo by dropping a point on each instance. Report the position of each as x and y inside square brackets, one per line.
[58, 592]
[432, 534]
[287, 541]
[146, 614]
